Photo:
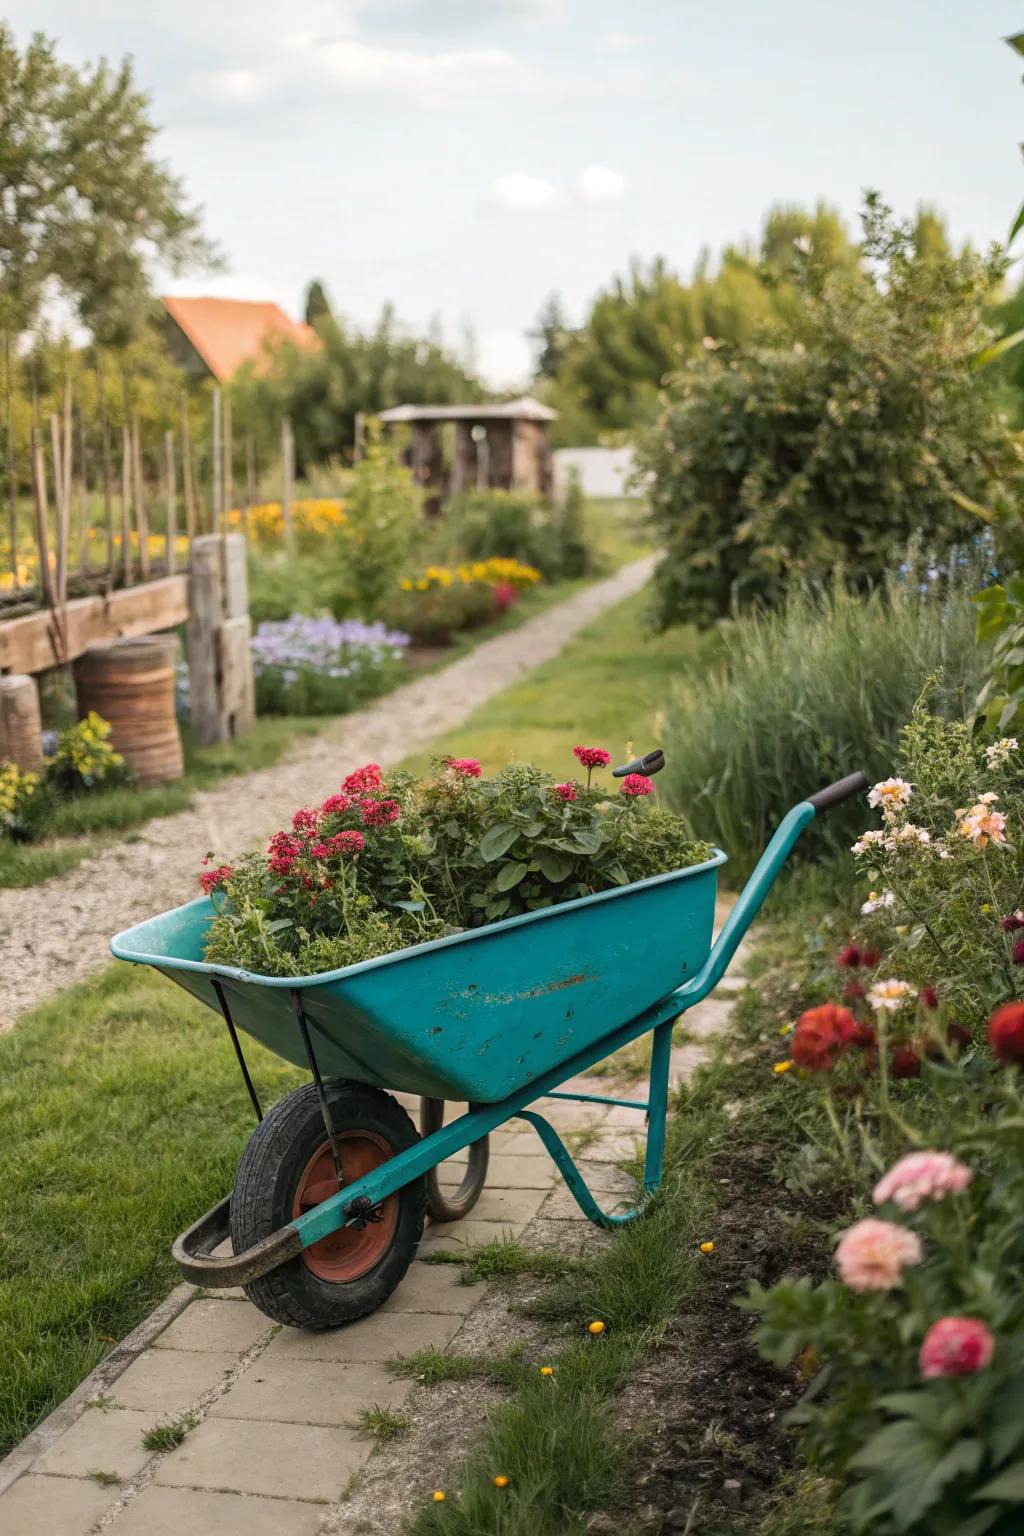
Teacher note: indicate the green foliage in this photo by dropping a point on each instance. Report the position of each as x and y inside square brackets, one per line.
[516, 525]
[438, 615]
[808, 693]
[859, 425]
[85, 759]
[379, 1422]
[505, 1259]
[87, 129]
[1001, 625]
[383, 519]
[318, 305]
[433, 1366]
[168, 1436]
[576, 556]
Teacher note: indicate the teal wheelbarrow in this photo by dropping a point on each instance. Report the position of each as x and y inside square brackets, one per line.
[333, 1188]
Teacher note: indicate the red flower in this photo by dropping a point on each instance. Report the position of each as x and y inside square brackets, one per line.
[378, 813]
[284, 850]
[567, 791]
[592, 757]
[848, 959]
[955, 1346]
[347, 843]
[1012, 921]
[870, 958]
[213, 879]
[319, 851]
[362, 780]
[305, 821]
[636, 784]
[905, 1062]
[929, 997]
[1006, 1034]
[820, 1036]
[334, 804]
[863, 1035]
[1018, 952]
[505, 595]
[853, 991]
[465, 767]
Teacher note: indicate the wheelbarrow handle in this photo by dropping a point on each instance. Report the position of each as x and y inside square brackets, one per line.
[842, 789]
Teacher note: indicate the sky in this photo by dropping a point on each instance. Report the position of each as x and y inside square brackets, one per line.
[463, 159]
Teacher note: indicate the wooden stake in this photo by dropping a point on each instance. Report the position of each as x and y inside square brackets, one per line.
[287, 479]
[108, 492]
[68, 449]
[171, 492]
[83, 495]
[218, 465]
[250, 480]
[187, 475]
[42, 518]
[63, 511]
[12, 478]
[229, 474]
[126, 505]
[141, 514]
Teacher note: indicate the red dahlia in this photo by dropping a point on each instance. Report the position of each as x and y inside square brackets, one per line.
[1006, 1034]
[820, 1036]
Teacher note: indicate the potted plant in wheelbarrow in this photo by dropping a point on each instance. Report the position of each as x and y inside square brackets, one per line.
[464, 938]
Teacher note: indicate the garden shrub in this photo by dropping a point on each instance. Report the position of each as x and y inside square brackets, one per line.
[383, 519]
[83, 760]
[832, 444]
[518, 525]
[447, 600]
[576, 556]
[806, 694]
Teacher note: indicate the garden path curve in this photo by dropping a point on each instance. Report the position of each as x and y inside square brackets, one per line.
[56, 933]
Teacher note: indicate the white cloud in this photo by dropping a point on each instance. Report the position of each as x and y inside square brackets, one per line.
[438, 76]
[599, 184]
[236, 84]
[519, 192]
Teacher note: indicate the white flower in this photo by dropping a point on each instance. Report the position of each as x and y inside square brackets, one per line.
[876, 902]
[908, 833]
[867, 841]
[891, 795]
[988, 798]
[889, 996]
[998, 753]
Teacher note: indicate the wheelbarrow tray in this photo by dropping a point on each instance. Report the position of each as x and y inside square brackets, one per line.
[476, 1016]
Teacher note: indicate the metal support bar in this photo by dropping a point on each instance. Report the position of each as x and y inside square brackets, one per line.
[577, 1185]
[599, 1098]
[325, 1108]
[654, 1159]
[232, 1031]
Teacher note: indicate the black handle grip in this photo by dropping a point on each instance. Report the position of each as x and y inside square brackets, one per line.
[842, 789]
[650, 763]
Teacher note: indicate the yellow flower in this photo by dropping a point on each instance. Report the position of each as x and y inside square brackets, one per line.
[782, 1066]
[438, 1496]
[595, 1328]
[501, 1481]
[547, 1370]
[707, 1247]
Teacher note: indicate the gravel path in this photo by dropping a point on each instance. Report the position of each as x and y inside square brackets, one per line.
[57, 933]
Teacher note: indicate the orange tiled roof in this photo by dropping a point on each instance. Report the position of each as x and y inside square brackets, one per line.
[229, 332]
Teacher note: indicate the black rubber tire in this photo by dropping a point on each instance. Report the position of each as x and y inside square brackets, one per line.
[268, 1177]
[440, 1206]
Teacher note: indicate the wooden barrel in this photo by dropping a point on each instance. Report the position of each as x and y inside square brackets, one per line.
[131, 684]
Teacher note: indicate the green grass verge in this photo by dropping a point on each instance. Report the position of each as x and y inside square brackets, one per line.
[122, 1117]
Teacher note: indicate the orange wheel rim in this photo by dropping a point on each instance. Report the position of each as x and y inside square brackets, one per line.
[347, 1254]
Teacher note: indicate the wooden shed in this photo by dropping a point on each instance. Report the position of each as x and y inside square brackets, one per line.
[500, 447]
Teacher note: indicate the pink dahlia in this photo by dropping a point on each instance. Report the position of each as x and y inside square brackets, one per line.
[378, 813]
[872, 1254]
[922, 1176]
[567, 791]
[636, 784]
[955, 1346]
[362, 780]
[592, 757]
[465, 767]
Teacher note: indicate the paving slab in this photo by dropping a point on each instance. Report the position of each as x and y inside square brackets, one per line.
[501, 1205]
[217, 1325]
[102, 1440]
[432, 1288]
[374, 1338]
[167, 1381]
[304, 1391]
[171, 1511]
[287, 1461]
[457, 1236]
[560, 1205]
[503, 1172]
[53, 1506]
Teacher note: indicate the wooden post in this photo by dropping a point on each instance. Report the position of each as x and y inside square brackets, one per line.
[229, 476]
[108, 493]
[83, 494]
[218, 466]
[238, 690]
[206, 615]
[21, 728]
[187, 476]
[141, 514]
[359, 439]
[287, 480]
[250, 480]
[61, 521]
[171, 492]
[68, 454]
[12, 478]
[126, 505]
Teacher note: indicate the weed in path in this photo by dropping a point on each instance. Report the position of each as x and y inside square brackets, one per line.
[167, 1437]
[431, 1366]
[504, 1259]
[380, 1422]
[105, 1479]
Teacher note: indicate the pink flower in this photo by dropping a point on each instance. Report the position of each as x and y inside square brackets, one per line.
[334, 804]
[305, 821]
[505, 595]
[319, 851]
[872, 1254]
[284, 850]
[465, 767]
[378, 813]
[922, 1176]
[955, 1346]
[213, 879]
[1012, 921]
[362, 780]
[636, 784]
[567, 791]
[349, 843]
[592, 757]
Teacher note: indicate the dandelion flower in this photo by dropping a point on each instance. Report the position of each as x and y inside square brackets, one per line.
[707, 1247]
[547, 1370]
[595, 1328]
[781, 1066]
[501, 1481]
[439, 1496]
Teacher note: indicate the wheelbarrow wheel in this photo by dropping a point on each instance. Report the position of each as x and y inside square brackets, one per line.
[287, 1168]
[442, 1205]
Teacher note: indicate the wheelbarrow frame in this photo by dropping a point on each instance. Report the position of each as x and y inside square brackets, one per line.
[355, 1203]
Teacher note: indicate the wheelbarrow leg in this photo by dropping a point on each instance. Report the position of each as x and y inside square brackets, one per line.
[657, 1106]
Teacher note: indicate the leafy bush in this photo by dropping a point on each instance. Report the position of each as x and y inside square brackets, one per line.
[576, 555]
[85, 759]
[446, 600]
[832, 446]
[319, 666]
[1001, 624]
[17, 797]
[383, 518]
[515, 524]
[280, 583]
[378, 867]
[808, 693]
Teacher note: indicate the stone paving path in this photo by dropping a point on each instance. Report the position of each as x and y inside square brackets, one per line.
[275, 1447]
[57, 933]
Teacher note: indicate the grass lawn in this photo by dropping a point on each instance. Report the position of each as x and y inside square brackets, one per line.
[122, 1113]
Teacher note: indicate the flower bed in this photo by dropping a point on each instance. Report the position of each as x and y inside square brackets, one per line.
[305, 666]
[378, 867]
[447, 600]
[83, 759]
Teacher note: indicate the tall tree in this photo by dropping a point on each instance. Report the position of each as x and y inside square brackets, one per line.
[318, 305]
[551, 336]
[83, 199]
